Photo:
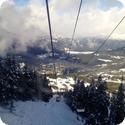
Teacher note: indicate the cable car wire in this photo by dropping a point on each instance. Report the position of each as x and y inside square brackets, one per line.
[76, 22]
[50, 29]
[51, 37]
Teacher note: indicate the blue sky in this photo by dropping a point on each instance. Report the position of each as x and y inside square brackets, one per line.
[108, 4]
[21, 2]
[103, 4]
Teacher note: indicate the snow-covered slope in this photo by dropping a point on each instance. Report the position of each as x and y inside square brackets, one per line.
[39, 113]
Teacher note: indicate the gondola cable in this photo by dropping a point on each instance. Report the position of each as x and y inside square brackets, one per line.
[76, 22]
[51, 37]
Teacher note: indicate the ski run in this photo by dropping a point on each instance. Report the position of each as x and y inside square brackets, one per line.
[39, 113]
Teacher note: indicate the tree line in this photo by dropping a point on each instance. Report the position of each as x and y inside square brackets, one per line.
[95, 104]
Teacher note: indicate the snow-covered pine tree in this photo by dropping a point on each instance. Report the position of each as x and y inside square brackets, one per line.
[2, 83]
[16, 83]
[112, 109]
[102, 104]
[91, 105]
[98, 103]
[93, 100]
[45, 81]
[10, 80]
[27, 84]
[46, 92]
[77, 95]
[120, 105]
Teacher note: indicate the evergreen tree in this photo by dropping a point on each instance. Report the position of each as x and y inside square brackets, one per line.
[102, 104]
[16, 83]
[45, 81]
[99, 109]
[112, 108]
[27, 84]
[120, 105]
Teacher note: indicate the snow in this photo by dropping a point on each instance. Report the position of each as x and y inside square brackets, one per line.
[97, 54]
[76, 52]
[42, 56]
[122, 70]
[100, 73]
[107, 75]
[116, 57]
[62, 84]
[87, 84]
[123, 123]
[39, 113]
[22, 65]
[102, 65]
[105, 60]
[114, 81]
[80, 110]
[1, 122]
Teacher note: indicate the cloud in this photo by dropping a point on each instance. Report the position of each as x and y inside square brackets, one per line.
[2, 1]
[21, 24]
[93, 20]
[25, 24]
[122, 1]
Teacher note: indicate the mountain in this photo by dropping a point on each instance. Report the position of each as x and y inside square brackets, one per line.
[39, 53]
[88, 44]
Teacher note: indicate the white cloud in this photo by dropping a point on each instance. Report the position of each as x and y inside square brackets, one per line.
[64, 6]
[2, 1]
[122, 1]
[21, 24]
[92, 21]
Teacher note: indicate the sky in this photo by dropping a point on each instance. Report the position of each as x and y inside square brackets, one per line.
[26, 20]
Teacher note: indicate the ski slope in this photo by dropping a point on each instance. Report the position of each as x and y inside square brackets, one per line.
[39, 113]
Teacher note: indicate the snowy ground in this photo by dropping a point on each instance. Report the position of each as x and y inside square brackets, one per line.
[62, 84]
[105, 60]
[122, 70]
[77, 53]
[39, 113]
